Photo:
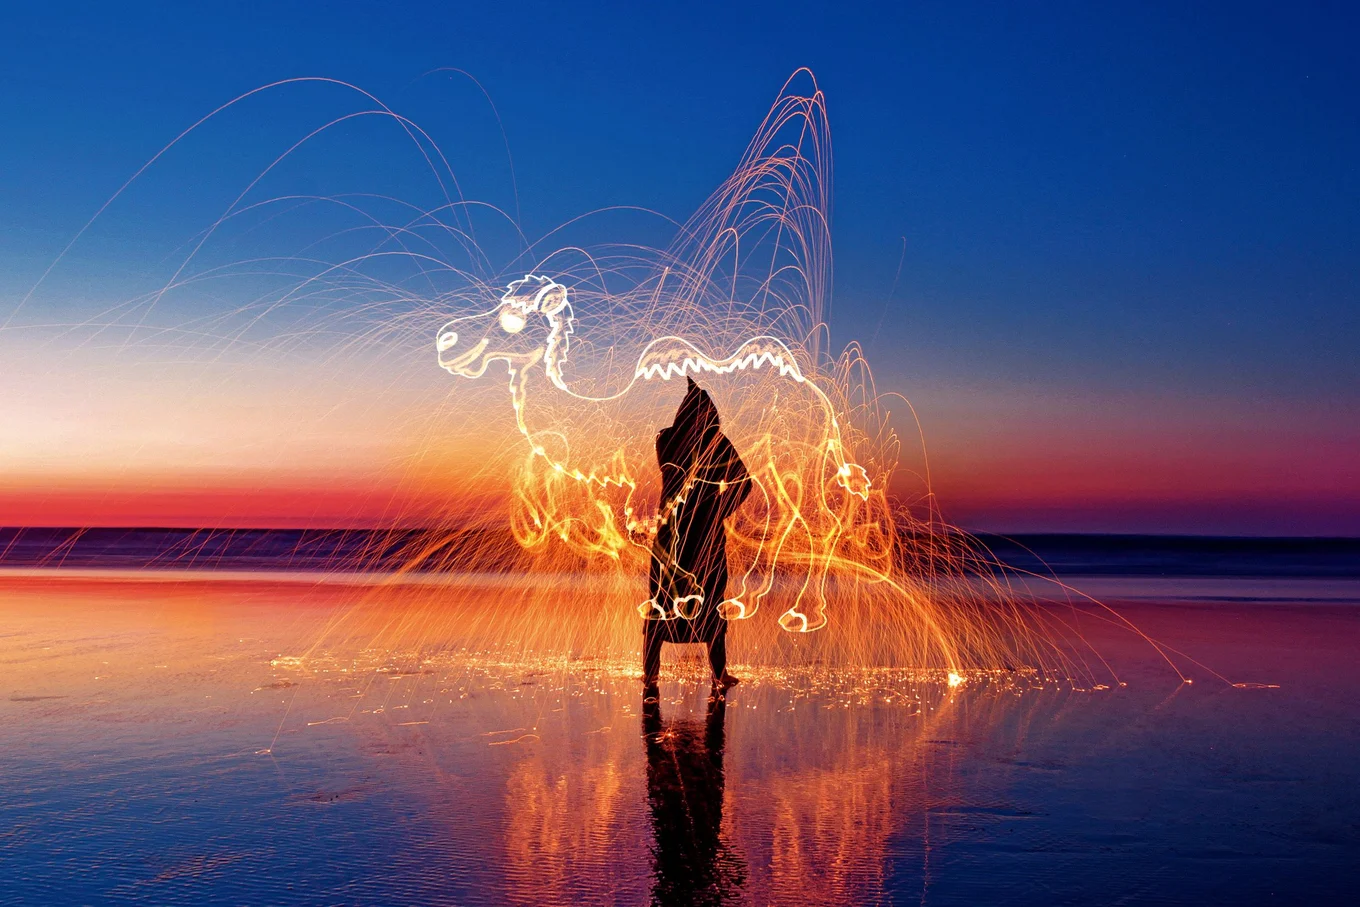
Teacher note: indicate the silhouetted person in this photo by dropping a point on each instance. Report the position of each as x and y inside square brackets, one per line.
[691, 864]
[703, 482]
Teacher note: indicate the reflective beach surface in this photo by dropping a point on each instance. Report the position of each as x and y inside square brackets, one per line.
[197, 740]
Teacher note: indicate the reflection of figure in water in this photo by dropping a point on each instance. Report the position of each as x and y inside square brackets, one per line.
[703, 482]
[691, 864]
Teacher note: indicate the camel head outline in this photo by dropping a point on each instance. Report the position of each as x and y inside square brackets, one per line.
[531, 323]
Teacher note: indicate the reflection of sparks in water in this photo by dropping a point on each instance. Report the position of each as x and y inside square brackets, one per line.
[806, 808]
[838, 785]
[807, 805]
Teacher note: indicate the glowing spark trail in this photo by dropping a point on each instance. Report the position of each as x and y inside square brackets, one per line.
[594, 340]
[738, 302]
[591, 343]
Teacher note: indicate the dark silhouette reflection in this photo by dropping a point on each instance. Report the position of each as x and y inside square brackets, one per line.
[691, 862]
[703, 482]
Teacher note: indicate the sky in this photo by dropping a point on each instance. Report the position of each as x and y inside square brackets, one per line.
[1109, 252]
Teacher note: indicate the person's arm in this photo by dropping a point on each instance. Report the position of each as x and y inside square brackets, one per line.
[674, 475]
[733, 472]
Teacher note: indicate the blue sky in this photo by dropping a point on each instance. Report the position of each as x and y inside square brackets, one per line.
[1087, 199]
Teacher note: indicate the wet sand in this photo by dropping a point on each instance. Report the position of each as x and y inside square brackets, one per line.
[187, 742]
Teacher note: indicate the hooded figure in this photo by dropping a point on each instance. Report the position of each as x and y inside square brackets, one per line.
[703, 482]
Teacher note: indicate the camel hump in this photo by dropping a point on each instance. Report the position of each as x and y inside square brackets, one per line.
[673, 357]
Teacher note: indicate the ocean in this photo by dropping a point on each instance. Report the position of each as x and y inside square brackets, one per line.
[176, 727]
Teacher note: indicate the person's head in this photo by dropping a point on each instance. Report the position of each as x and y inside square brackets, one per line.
[697, 411]
[694, 429]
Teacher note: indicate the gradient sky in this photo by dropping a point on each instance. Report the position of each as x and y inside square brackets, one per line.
[1111, 253]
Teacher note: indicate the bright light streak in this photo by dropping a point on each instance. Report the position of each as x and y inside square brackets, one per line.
[592, 341]
[738, 303]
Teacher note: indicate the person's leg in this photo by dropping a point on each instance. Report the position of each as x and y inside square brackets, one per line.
[652, 637]
[715, 629]
[717, 655]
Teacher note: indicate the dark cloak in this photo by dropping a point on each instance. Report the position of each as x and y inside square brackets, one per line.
[703, 482]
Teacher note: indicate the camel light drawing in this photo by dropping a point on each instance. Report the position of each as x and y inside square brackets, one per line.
[811, 490]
